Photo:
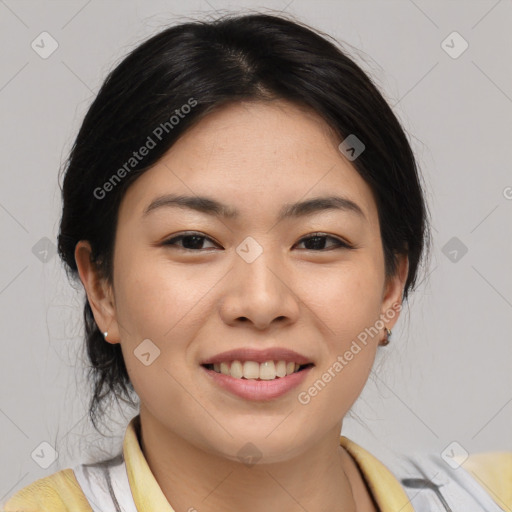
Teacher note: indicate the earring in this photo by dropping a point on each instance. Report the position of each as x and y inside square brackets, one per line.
[385, 341]
[105, 334]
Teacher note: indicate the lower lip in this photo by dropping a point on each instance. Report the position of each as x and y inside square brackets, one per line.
[258, 389]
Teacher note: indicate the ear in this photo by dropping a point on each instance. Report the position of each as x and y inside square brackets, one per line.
[393, 291]
[99, 292]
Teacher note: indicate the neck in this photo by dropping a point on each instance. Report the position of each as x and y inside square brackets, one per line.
[322, 478]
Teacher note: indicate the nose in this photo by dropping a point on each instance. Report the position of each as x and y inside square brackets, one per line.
[260, 294]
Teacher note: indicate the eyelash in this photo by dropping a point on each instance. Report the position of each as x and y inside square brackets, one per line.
[341, 243]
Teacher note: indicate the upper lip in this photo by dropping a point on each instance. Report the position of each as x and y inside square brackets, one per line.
[259, 356]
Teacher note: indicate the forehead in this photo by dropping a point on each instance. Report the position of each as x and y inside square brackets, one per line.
[256, 157]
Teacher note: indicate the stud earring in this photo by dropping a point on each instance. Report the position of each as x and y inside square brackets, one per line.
[105, 334]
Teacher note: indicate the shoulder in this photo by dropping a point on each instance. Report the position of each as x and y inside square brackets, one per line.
[59, 492]
[493, 470]
[479, 479]
[430, 481]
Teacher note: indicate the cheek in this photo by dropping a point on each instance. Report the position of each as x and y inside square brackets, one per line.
[347, 303]
[155, 297]
[157, 303]
[347, 299]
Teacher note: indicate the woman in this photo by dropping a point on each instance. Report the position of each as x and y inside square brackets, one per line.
[245, 214]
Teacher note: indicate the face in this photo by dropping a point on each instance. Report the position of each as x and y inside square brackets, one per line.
[252, 274]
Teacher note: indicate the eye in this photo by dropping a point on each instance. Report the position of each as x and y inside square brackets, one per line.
[191, 241]
[194, 241]
[317, 241]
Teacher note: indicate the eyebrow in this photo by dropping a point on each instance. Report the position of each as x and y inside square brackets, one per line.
[212, 207]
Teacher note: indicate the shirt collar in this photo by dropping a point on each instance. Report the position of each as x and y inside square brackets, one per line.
[148, 496]
[384, 487]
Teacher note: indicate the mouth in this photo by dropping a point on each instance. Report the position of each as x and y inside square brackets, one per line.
[253, 370]
[255, 381]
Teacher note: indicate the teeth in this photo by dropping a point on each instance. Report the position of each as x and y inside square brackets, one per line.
[269, 370]
[251, 370]
[237, 370]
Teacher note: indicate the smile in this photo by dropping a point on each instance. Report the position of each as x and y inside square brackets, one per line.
[252, 370]
[255, 388]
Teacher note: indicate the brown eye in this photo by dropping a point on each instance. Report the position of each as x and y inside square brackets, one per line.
[189, 241]
[318, 242]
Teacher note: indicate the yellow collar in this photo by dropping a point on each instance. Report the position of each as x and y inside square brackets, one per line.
[384, 487]
[148, 496]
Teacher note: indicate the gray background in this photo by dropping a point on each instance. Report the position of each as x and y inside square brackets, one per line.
[446, 375]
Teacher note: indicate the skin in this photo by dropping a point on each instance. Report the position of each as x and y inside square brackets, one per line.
[193, 304]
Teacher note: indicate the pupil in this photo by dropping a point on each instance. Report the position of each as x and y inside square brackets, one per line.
[317, 242]
[197, 239]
